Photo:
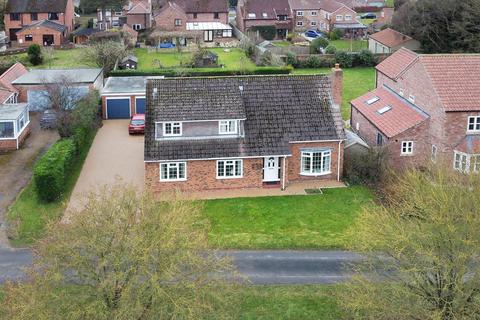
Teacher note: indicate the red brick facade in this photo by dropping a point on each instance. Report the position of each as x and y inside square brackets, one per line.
[37, 37]
[201, 174]
[14, 144]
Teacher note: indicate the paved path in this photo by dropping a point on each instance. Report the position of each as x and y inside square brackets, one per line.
[260, 267]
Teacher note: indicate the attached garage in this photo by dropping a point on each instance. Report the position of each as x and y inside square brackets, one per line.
[140, 105]
[118, 108]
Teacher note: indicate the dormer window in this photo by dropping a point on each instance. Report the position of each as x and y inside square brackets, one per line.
[171, 129]
[227, 127]
[52, 16]
[474, 124]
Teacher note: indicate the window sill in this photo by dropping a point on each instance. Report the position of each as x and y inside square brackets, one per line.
[173, 180]
[406, 155]
[315, 174]
[229, 178]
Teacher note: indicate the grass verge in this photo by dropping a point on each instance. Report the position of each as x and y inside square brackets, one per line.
[350, 45]
[288, 222]
[28, 215]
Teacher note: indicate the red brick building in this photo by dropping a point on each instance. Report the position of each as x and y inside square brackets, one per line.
[425, 107]
[136, 13]
[48, 21]
[241, 132]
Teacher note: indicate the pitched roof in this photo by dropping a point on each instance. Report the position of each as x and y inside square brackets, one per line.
[39, 6]
[331, 5]
[138, 7]
[399, 117]
[278, 110]
[395, 64]
[304, 4]
[42, 76]
[454, 77]
[470, 144]
[202, 6]
[6, 79]
[390, 38]
[45, 23]
[271, 9]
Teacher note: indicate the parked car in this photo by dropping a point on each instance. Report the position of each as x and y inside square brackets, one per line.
[369, 15]
[313, 34]
[48, 119]
[137, 124]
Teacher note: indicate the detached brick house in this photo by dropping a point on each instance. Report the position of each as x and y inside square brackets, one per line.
[255, 13]
[389, 41]
[46, 22]
[241, 132]
[326, 15]
[425, 108]
[136, 13]
[209, 17]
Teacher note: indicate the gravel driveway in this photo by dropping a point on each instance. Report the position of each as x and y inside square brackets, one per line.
[114, 156]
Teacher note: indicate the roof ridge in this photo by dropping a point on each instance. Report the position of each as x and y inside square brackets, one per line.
[320, 75]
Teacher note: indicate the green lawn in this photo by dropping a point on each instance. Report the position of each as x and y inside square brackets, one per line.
[356, 82]
[71, 58]
[28, 215]
[367, 21]
[282, 44]
[350, 45]
[232, 60]
[294, 222]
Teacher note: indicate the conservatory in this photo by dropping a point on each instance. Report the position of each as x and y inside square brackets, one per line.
[14, 126]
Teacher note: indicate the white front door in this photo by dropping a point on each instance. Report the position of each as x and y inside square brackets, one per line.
[270, 169]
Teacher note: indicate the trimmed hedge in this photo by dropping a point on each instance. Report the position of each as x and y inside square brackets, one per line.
[53, 168]
[204, 72]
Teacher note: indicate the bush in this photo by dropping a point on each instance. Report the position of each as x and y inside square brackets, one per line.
[266, 32]
[80, 138]
[335, 34]
[365, 58]
[292, 59]
[344, 59]
[204, 72]
[34, 53]
[369, 168]
[290, 37]
[330, 49]
[317, 62]
[52, 169]
[318, 43]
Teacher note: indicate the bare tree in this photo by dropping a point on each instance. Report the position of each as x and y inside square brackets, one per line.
[105, 54]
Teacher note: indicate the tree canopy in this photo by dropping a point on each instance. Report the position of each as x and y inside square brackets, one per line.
[445, 26]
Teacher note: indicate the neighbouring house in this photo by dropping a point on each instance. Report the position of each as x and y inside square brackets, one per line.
[241, 132]
[326, 15]
[354, 145]
[424, 108]
[136, 13]
[129, 62]
[122, 97]
[385, 19]
[14, 126]
[83, 35]
[45, 22]
[388, 41]
[209, 17]
[252, 14]
[8, 93]
[32, 86]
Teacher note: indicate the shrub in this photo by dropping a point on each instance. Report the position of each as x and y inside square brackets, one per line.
[335, 34]
[80, 138]
[34, 53]
[368, 168]
[344, 59]
[292, 59]
[290, 37]
[266, 32]
[200, 72]
[317, 62]
[330, 49]
[52, 169]
[318, 43]
[365, 58]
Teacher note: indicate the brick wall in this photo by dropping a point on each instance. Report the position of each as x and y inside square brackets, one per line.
[11, 144]
[165, 20]
[209, 17]
[307, 19]
[38, 34]
[142, 19]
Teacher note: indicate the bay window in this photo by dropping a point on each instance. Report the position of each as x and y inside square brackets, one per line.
[316, 162]
[173, 171]
[229, 169]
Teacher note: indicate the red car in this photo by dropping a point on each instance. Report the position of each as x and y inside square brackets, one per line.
[137, 124]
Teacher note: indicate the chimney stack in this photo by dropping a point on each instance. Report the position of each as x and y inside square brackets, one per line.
[337, 85]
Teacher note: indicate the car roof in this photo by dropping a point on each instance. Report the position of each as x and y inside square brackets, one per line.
[138, 116]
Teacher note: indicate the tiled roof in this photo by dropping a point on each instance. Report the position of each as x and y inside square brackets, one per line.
[42, 76]
[272, 8]
[39, 6]
[46, 24]
[470, 144]
[278, 110]
[401, 116]
[390, 38]
[456, 80]
[202, 6]
[304, 4]
[394, 65]
[139, 7]
[331, 5]
[13, 73]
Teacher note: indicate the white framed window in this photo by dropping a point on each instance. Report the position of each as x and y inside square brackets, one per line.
[313, 13]
[178, 22]
[475, 162]
[118, 13]
[401, 91]
[473, 124]
[172, 129]
[313, 23]
[348, 17]
[411, 98]
[252, 15]
[461, 161]
[434, 153]
[227, 127]
[299, 13]
[407, 147]
[137, 26]
[316, 162]
[299, 23]
[339, 17]
[357, 126]
[229, 169]
[173, 171]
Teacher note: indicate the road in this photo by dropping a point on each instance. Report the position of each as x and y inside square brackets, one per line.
[260, 267]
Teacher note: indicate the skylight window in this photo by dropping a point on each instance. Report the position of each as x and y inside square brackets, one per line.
[384, 109]
[372, 100]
